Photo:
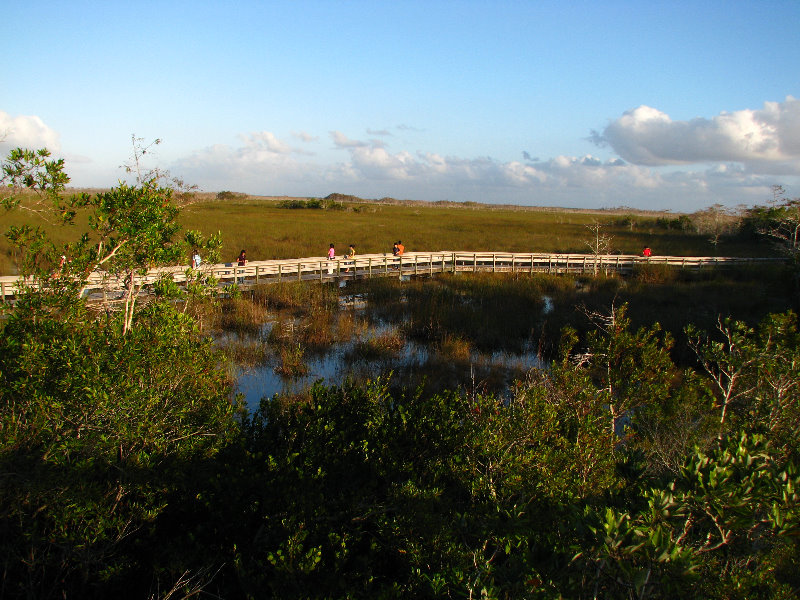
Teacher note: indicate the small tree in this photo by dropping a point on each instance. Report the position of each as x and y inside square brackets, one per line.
[630, 369]
[105, 416]
[716, 222]
[600, 243]
[754, 373]
[132, 228]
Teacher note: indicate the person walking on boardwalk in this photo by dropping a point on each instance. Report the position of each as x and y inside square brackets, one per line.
[331, 256]
[196, 260]
[395, 249]
[647, 252]
[241, 261]
[351, 254]
[400, 248]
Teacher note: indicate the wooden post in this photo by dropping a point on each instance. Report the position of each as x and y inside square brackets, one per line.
[280, 268]
[320, 271]
[369, 267]
[299, 271]
[257, 269]
[474, 262]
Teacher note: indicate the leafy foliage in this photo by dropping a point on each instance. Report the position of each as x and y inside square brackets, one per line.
[97, 428]
[126, 471]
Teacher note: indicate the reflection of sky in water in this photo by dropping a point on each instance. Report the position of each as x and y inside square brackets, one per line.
[408, 365]
[413, 362]
[258, 382]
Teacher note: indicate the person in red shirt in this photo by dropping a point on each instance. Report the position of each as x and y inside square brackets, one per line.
[647, 252]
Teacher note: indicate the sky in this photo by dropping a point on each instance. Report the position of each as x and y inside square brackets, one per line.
[656, 105]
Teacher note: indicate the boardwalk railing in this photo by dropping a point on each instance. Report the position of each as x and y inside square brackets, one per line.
[411, 263]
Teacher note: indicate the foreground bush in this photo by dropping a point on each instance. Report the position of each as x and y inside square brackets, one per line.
[96, 429]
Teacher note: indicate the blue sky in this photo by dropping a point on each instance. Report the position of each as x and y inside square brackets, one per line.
[661, 105]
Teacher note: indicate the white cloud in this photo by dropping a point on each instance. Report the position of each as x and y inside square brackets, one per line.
[340, 140]
[765, 140]
[265, 141]
[304, 136]
[411, 128]
[26, 131]
[264, 165]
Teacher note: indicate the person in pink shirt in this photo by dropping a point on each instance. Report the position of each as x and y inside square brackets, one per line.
[331, 256]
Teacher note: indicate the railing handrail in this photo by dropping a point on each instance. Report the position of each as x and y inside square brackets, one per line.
[323, 268]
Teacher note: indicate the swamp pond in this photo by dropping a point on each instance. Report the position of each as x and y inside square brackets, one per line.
[370, 341]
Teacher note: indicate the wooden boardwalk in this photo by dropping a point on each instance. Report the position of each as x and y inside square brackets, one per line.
[410, 264]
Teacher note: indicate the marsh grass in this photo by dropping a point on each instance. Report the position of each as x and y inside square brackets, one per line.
[241, 315]
[350, 324]
[504, 312]
[269, 232]
[247, 352]
[673, 300]
[319, 331]
[291, 361]
[444, 332]
[285, 330]
[381, 346]
[297, 296]
[488, 311]
[454, 347]
[655, 274]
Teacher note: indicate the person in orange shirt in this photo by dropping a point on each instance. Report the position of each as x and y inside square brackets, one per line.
[400, 248]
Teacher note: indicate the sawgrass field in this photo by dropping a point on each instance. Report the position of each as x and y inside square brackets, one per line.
[269, 230]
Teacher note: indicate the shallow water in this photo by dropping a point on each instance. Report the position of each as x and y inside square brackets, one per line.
[413, 365]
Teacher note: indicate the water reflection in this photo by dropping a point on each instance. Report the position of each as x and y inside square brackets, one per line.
[412, 364]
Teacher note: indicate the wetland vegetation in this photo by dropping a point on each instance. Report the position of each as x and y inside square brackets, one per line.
[651, 452]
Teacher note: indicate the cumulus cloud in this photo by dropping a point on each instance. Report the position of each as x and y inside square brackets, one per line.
[304, 136]
[765, 140]
[267, 142]
[264, 165]
[340, 140]
[27, 131]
